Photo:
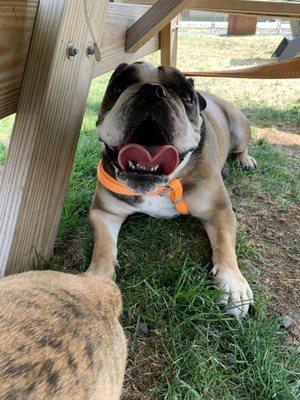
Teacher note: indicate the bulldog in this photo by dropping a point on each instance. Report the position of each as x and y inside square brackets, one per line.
[158, 133]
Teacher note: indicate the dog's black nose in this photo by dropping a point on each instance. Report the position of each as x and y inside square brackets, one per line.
[152, 90]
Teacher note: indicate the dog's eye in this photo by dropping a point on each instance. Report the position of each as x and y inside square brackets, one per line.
[187, 98]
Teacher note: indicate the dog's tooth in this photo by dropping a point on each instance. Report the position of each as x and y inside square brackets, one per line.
[130, 163]
[133, 167]
[156, 167]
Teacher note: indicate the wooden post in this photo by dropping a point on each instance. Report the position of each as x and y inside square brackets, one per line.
[295, 27]
[241, 25]
[168, 43]
[48, 120]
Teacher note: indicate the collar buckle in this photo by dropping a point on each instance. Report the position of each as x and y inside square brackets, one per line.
[166, 191]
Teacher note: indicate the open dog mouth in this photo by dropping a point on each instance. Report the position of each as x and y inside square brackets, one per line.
[144, 167]
[155, 160]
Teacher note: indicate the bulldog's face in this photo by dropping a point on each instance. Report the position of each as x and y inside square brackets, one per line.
[150, 123]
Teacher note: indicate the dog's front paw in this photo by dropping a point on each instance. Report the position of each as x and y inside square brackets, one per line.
[237, 296]
[245, 161]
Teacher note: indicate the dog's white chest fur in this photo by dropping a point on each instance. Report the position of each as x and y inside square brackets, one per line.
[157, 206]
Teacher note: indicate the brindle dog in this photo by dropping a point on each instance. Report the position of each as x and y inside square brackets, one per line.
[60, 338]
[158, 111]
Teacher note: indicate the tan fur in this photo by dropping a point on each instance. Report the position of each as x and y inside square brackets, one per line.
[60, 338]
[227, 130]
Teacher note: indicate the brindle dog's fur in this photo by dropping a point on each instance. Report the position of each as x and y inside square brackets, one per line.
[60, 338]
[204, 129]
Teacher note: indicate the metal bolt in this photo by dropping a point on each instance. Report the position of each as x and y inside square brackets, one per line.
[72, 50]
[90, 50]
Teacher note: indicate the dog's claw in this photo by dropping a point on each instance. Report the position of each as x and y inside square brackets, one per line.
[251, 311]
[246, 162]
[236, 297]
[117, 271]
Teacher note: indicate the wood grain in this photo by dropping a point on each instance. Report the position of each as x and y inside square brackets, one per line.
[119, 18]
[152, 22]
[168, 43]
[16, 25]
[280, 9]
[45, 133]
[14, 48]
[285, 69]
[149, 2]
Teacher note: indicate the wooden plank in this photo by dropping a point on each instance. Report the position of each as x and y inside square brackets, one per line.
[119, 18]
[152, 22]
[285, 69]
[16, 24]
[279, 9]
[45, 133]
[168, 43]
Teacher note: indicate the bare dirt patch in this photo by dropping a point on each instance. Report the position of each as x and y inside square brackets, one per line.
[145, 368]
[276, 235]
[286, 138]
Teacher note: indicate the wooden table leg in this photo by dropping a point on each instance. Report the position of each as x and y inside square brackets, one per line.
[48, 120]
[168, 43]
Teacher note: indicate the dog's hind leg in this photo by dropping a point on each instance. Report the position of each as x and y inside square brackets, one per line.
[239, 128]
[239, 139]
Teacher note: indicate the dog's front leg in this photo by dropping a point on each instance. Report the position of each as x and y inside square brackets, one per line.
[212, 206]
[106, 227]
[221, 229]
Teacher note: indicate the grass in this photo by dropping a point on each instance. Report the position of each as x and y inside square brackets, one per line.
[192, 350]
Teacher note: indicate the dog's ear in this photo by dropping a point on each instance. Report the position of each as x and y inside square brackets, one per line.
[192, 82]
[202, 102]
[119, 68]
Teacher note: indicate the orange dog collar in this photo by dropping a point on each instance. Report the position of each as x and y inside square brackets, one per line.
[173, 189]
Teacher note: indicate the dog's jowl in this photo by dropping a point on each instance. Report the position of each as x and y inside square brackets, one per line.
[165, 147]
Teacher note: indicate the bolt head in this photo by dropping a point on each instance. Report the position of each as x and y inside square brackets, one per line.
[72, 50]
[90, 50]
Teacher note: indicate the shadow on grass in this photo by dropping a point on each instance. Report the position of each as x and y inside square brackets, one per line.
[266, 117]
[249, 61]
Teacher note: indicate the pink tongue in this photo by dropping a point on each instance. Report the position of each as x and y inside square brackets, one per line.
[165, 156]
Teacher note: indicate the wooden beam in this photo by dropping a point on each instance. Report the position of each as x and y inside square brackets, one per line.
[48, 120]
[14, 47]
[152, 22]
[279, 9]
[162, 12]
[16, 24]
[168, 43]
[119, 18]
[285, 69]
